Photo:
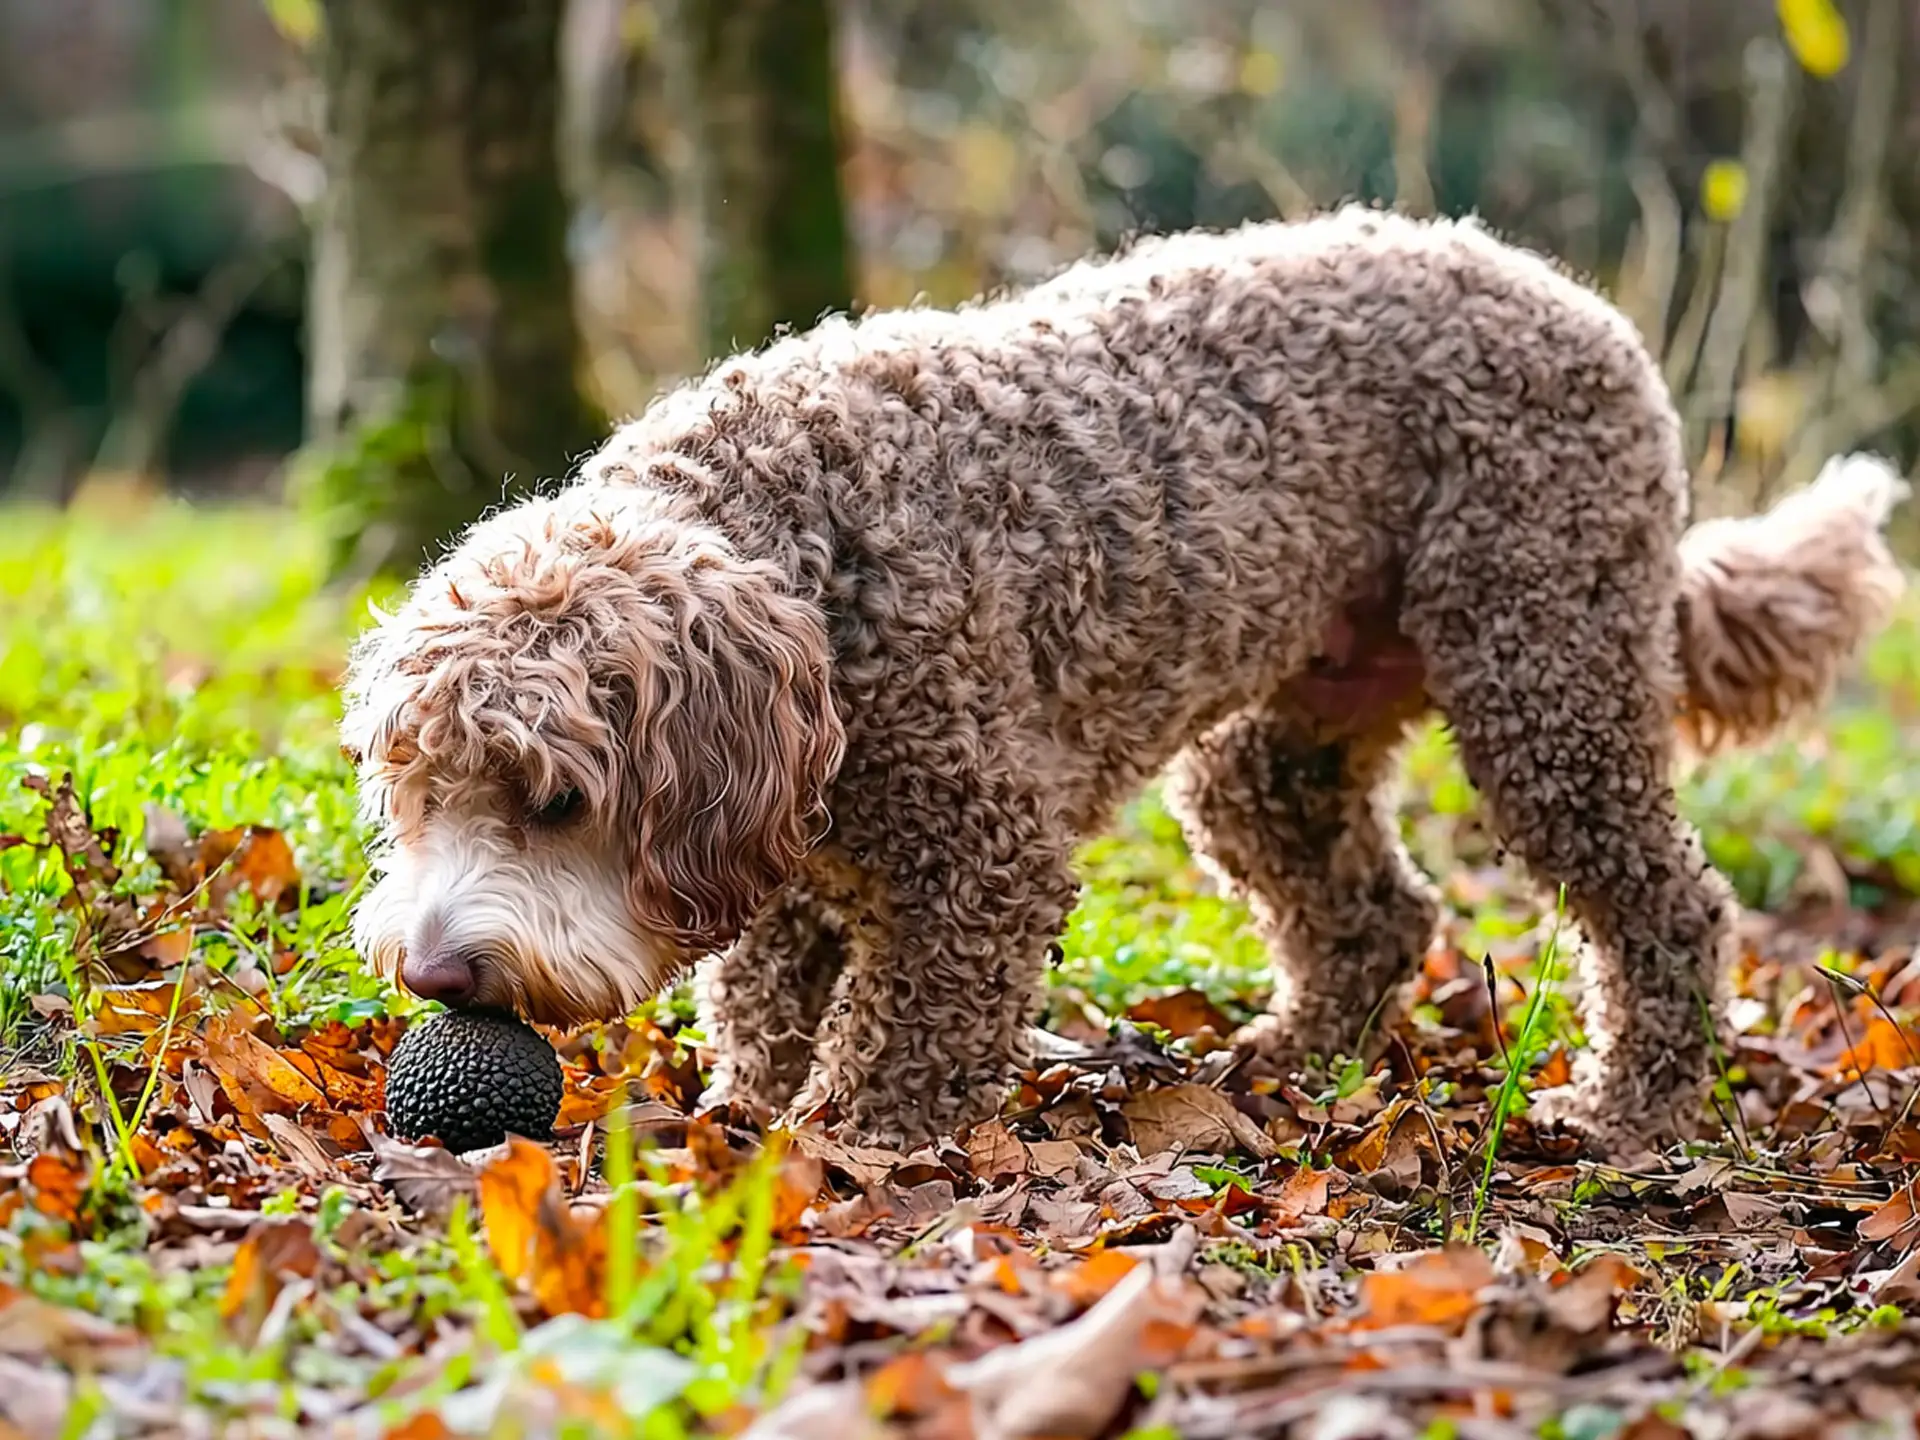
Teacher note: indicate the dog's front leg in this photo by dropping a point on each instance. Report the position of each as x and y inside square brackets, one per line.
[761, 1000]
[944, 973]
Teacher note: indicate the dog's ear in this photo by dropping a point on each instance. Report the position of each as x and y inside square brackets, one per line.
[735, 740]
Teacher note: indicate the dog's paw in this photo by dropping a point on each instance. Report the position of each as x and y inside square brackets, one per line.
[1280, 1046]
[1628, 1139]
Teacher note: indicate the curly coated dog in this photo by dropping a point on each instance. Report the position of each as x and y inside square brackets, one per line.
[819, 671]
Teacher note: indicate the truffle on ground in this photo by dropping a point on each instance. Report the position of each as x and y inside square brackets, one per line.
[469, 1077]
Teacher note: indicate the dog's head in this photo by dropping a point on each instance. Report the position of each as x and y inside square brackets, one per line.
[592, 741]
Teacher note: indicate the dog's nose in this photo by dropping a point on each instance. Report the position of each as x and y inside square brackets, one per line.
[443, 975]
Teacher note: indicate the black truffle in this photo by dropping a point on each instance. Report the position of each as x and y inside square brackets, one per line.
[471, 1076]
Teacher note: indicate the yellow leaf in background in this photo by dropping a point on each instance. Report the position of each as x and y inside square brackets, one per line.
[1259, 72]
[298, 20]
[1816, 32]
[1723, 189]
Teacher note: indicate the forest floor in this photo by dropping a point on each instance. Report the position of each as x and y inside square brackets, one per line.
[204, 1229]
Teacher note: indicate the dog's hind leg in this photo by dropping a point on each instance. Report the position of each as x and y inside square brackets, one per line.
[1554, 667]
[1298, 821]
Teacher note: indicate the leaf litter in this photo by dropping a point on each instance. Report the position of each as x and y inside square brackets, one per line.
[1156, 1238]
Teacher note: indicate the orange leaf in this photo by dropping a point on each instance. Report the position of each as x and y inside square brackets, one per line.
[587, 1097]
[135, 1009]
[257, 859]
[59, 1185]
[427, 1425]
[511, 1189]
[907, 1385]
[1558, 1070]
[1884, 1046]
[798, 1187]
[274, 1252]
[1183, 1013]
[240, 1060]
[1896, 1218]
[1095, 1276]
[536, 1237]
[1440, 1289]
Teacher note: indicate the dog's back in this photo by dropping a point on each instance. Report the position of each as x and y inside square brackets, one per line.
[1136, 496]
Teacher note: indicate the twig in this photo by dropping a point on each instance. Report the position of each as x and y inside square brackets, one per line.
[1840, 1019]
[138, 433]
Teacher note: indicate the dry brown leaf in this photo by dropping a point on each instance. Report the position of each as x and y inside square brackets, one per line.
[256, 1077]
[1439, 1289]
[994, 1151]
[427, 1178]
[1895, 1221]
[1302, 1193]
[865, 1165]
[1193, 1118]
[1068, 1383]
[32, 1329]
[308, 1154]
[1054, 1159]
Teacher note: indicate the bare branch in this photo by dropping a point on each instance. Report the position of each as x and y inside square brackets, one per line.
[1770, 96]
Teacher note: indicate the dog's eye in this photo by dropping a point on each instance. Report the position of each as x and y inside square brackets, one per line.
[560, 809]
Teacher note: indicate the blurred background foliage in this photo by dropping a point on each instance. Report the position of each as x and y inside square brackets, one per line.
[402, 256]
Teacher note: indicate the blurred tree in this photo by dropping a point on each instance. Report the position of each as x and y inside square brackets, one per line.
[757, 93]
[444, 353]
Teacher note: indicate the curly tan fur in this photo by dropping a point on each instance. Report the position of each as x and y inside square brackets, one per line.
[823, 667]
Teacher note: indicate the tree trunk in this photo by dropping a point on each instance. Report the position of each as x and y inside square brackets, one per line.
[757, 91]
[444, 354]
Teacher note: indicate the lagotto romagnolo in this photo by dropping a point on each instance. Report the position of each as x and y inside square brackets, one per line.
[818, 672]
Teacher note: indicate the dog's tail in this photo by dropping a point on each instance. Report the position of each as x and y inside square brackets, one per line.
[1772, 606]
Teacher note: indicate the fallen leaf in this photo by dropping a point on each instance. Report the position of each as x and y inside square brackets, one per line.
[1894, 1221]
[1068, 1383]
[1094, 1276]
[993, 1151]
[1193, 1118]
[427, 1178]
[255, 1076]
[1302, 1193]
[1557, 1071]
[1182, 1013]
[1439, 1289]
[1053, 1159]
[255, 858]
[864, 1165]
[273, 1252]
[908, 1385]
[59, 1185]
[32, 1328]
[535, 1236]
[300, 1146]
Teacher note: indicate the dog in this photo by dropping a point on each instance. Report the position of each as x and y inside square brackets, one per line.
[815, 676]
